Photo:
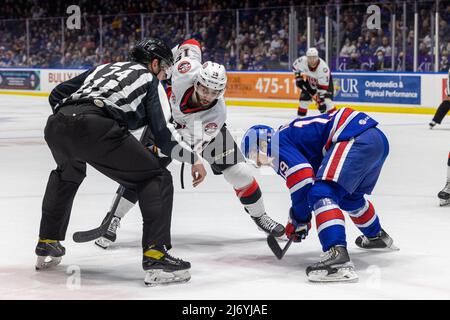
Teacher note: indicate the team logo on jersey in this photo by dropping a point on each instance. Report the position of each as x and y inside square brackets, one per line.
[184, 67]
[210, 128]
[325, 70]
[363, 121]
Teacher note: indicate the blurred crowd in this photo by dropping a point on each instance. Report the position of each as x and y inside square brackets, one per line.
[255, 37]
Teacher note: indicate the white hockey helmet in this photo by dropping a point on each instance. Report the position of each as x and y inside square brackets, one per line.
[312, 56]
[312, 52]
[212, 76]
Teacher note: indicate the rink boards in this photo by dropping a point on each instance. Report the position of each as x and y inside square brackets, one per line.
[418, 93]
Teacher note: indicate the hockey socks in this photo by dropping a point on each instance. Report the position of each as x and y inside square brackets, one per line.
[366, 220]
[126, 203]
[330, 223]
[250, 196]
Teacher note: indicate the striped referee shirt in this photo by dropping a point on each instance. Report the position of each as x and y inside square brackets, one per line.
[130, 94]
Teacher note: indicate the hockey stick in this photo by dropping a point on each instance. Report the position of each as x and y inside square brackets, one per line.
[89, 235]
[182, 175]
[275, 247]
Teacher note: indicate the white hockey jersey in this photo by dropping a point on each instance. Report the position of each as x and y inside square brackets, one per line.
[319, 78]
[198, 126]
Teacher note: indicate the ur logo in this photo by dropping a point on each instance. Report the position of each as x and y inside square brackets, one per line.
[349, 85]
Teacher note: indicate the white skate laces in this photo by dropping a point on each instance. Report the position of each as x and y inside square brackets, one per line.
[115, 223]
[266, 222]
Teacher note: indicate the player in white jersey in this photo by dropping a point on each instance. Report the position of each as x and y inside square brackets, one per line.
[444, 194]
[444, 107]
[199, 113]
[313, 77]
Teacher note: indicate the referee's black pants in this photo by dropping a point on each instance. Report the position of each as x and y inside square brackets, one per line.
[80, 134]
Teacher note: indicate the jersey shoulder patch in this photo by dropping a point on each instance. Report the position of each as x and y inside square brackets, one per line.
[211, 128]
[184, 66]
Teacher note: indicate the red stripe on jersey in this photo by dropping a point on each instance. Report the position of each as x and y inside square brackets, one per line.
[322, 87]
[298, 176]
[336, 159]
[344, 117]
[370, 212]
[329, 215]
[186, 97]
[345, 114]
[449, 155]
[169, 91]
[248, 190]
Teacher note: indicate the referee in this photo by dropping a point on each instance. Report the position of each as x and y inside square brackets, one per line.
[93, 114]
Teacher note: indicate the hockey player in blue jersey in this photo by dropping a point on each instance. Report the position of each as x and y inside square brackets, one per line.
[330, 162]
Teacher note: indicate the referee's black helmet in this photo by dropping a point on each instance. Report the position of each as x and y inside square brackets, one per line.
[148, 49]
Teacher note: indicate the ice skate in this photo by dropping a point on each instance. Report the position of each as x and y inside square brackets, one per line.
[162, 269]
[335, 266]
[432, 124]
[381, 241]
[444, 195]
[110, 235]
[49, 254]
[269, 226]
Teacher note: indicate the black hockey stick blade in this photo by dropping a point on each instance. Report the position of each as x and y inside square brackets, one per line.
[89, 235]
[275, 247]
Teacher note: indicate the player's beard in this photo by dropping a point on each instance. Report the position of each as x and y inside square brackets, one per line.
[202, 102]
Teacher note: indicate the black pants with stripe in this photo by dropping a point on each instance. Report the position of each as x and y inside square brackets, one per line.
[80, 134]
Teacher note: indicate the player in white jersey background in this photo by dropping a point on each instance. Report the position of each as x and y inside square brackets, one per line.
[199, 113]
[313, 78]
[444, 194]
[444, 107]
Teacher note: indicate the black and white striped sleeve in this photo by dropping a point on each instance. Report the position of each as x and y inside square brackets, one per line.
[167, 137]
[65, 89]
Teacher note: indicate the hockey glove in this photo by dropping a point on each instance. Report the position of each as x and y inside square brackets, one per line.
[297, 230]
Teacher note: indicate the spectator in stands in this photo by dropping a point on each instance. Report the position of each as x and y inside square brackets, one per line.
[302, 45]
[260, 63]
[274, 62]
[372, 48]
[347, 49]
[275, 45]
[444, 64]
[319, 43]
[387, 50]
[361, 45]
[355, 63]
[380, 64]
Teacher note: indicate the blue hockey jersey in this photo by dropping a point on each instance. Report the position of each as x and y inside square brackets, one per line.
[300, 147]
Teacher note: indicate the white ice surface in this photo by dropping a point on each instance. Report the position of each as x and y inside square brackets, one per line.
[229, 256]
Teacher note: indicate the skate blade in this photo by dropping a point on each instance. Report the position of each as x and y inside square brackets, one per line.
[444, 203]
[47, 262]
[344, 274]
[159, 277]
[281, 236]
[390, 246]
[103, 243]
